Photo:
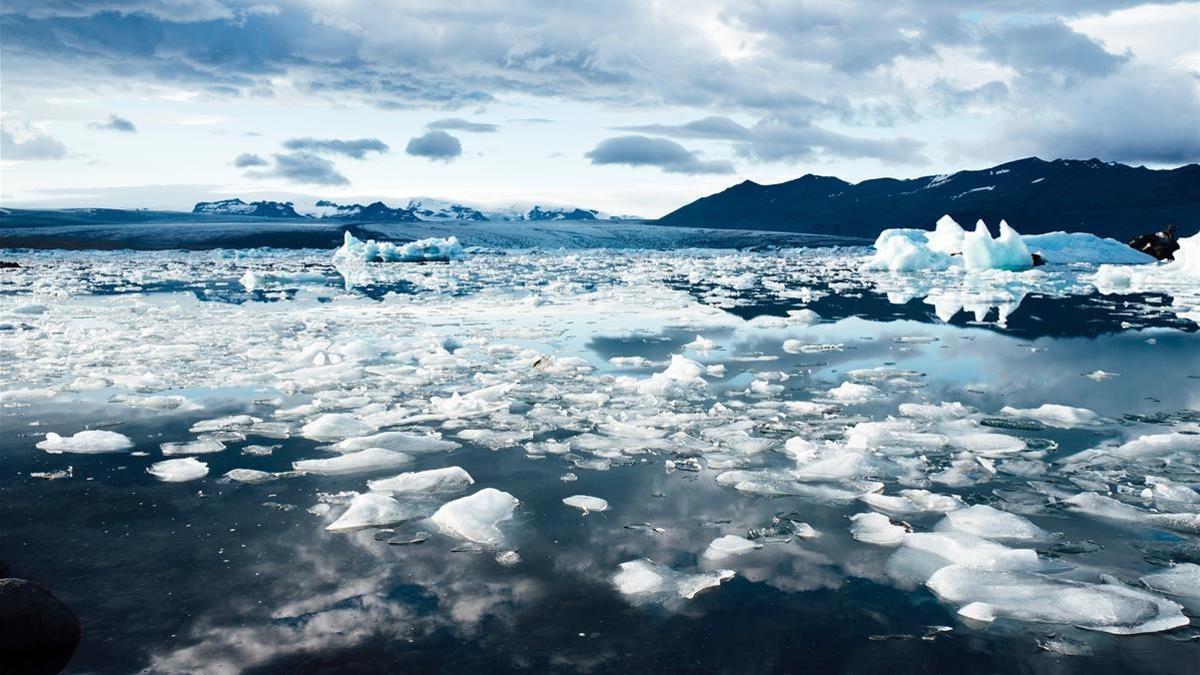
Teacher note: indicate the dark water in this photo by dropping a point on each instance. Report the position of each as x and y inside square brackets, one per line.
[214, 576]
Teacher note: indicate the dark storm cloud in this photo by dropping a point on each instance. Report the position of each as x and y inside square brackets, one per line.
[249, 159]
[356, 148]
[459, 124]
[114, 123]
[659, 152]
[1049, 48]
[35, 145]
[436, 145]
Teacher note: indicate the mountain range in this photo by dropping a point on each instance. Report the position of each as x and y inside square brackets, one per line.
[417, 210]
[1035, 196]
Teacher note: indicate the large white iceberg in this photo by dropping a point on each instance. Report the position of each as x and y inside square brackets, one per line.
[422, 250]
[1006, 252]
[476, 517]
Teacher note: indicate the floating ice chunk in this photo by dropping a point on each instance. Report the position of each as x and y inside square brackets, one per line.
[363, 461]
[422, 250]
[966, 549]
[648, 580]
[701, 344]
[898, 252]
[1183, 579]
[228, 423]
[939, 412]
[88, 442]
[1083, 247]
[875, 528]
[1060, 416]
[404, 441]
[1104, 507]
[1005, 252]
[475, 517]
[990, 523]
[893, 437]
[251, 476]
[947, 236]
[730, 544]
[851, 392]
[335, 426]
[481, 402]
[586, 504]
[178, 470]
[197, 447]
[1100, 375]
[1157, 445]
[912, 501]
[988, 445]
[681, 377]
[1031, 597]
[1168, 491]
[372, 510]
[449, 479]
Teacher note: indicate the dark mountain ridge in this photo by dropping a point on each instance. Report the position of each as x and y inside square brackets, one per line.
[1035, 196]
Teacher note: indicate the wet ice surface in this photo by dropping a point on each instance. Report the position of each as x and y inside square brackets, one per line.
[804, 466]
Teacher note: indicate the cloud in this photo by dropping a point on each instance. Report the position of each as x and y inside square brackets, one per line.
[1049, 48]
[302, 167]
[114, 123]
[33, 144]
[665, 154]
[459, 124]
[249, 159]
[356, 149]
[436, 145]
[790, 139]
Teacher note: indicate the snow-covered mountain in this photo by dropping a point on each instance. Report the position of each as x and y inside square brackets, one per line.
[418, 209]
[237, 207]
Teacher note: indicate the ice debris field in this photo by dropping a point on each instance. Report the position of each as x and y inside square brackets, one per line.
[662, 424]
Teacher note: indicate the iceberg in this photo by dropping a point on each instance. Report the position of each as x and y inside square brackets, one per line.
[1006, 252]
[1082, 247]
[1054, 415]
[730, 544]
[422, 250]
[363, 461]
[372, 510]
[86, 442]
[875, 528]
[450, 479]
[178, 470]
[335, 426]
[476, 517]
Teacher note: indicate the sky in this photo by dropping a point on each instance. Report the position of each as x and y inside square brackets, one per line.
[622, 106]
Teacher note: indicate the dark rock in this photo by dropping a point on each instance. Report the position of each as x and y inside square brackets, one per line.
[1038, 260]
[1161, 245]
[38, 633]
[9, 265]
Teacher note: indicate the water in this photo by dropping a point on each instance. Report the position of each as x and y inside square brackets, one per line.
[211, 575]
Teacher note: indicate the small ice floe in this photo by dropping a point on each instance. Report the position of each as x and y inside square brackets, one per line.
[476, 517]
[936, 412]
[1111, 509]
[335, 426]
[875, 528]
[422, 250]
[227, 423]
[508, 558]
[957, 548]
[178, 470]
[197, 447]
[1183, 580]
[646, 580]
[252, 476]
[254, 280]
[681, 378]
[851, 392]
[404, 441]
[480, 402]
[53, 475]
[363, 461]
[985, 595]
[1100, 375]
[88, 442]
[449, 479]
[729, 545]
[990, 523]
[586, 504]
[372, 509]
[912, 501]
[701, 344]
[1053, 415]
